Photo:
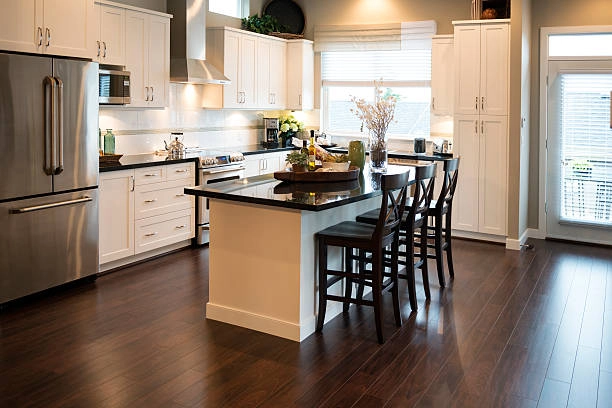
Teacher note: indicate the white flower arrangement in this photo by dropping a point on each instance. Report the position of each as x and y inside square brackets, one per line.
[377, 116]
[290, 124]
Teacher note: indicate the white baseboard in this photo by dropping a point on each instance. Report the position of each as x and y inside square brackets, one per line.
[478, 236]
[145, 255]
[516, 244]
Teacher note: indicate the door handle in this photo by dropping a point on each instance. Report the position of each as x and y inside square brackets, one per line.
[104, 52]
[40, 36]
[60, 125]
[180, 226]
[49, 122]
[146, 93]
[482, 127]
[476, 127]
[482, 103]
[476, 103]
[48, 34]
[151, 234]
[150, 201]
[152, 94]
[132, 183]
[433, 103]
[98, 43]
[23, 210]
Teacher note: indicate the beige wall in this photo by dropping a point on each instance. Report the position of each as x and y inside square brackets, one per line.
[383, 11]
[554, 13]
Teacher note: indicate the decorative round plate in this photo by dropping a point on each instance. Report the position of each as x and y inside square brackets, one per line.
[288, 13]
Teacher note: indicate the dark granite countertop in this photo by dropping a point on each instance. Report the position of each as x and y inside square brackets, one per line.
[266, 190]
[133, 161]
[257, 149]
[398, 154]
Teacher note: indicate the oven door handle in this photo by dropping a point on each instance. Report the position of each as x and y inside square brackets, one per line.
[204, 172]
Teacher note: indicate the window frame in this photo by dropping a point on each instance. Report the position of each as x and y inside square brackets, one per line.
[241, 5]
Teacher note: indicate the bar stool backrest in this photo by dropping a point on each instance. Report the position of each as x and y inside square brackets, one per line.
[451, 173]
[395, 191]
[423, 191]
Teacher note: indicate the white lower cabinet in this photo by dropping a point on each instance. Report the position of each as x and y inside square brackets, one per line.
[264, 163]
[145, 209]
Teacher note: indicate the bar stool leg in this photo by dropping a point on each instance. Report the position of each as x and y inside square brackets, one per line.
[410, 270]
[423, 258]
[438, 249]
[376, 292]
[322, 284]
[447, 240]
[348, 288]
[394, 282]
[361, 266]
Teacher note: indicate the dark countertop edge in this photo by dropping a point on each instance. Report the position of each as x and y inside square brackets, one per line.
[258, 149]
[276, 203]
[161, 162]
[400, 155]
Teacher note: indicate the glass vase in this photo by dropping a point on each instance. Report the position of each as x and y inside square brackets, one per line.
[378, 152]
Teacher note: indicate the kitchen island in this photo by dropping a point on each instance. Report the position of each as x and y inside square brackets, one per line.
[263, 260]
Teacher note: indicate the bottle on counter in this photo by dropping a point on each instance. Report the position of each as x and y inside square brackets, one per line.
[304, 147]
[109, 142]
[312, 153]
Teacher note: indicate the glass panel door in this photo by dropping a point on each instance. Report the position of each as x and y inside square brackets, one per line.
[579, 151]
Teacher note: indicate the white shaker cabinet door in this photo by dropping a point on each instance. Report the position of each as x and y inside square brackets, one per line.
[116, 207]
[159, 60]
[66, 27]
[442, 75]
[21, 26]
[137, 54]
[467, 69]
[494, 69]
[492, 186]
[466, 145]
[278, 74]
[111, 41]
[248, 71]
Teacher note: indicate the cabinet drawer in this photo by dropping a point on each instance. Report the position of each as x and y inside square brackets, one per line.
[149, 175]
[162, 230]
[181, 171]
[161, 198]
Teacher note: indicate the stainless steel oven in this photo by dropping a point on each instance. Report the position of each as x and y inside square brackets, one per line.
[211, 174]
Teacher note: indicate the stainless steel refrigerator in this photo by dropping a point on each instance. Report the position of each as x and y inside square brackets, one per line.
[48, 172]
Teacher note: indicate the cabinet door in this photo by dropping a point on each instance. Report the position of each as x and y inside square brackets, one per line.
[264, 93]
[466, 145]
[66, 25]
[467, 69]
[21, 26]
[112, 35]
[252, 164]
[442, 76]
[300, 76]
[137, 54]
[492, 185]
[494, 69]
[278, 74]
[159, 60]
[248, 70]
[116, 215]
[231, 50]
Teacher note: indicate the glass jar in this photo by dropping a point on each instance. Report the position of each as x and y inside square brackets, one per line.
[109, 142]
[356, 153]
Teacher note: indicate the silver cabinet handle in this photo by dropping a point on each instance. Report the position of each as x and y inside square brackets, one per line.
[300, 100]
[133, 183]
[152, 94]
[482, 103]
[476, 127]
[151, 234]
[49, 160]
[482, 127]
[146, 93]
[180, 227]
[151, 200]
[60, 125]
[181, 171]
[40, 36]
[23, 210]
[104, 53]
[48, 33]
[98, 43]
[180, 195]
[151, 175]
[476, 103]
[433, 103]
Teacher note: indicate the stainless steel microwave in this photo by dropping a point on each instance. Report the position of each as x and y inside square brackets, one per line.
[114, 87]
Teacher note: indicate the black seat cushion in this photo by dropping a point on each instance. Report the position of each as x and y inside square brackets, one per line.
[349, 230]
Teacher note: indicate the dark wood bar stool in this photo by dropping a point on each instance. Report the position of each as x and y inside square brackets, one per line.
[351, 236]
[413, 219]
[440, 214]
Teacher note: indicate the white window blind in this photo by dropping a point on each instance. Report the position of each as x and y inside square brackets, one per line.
[586, 148]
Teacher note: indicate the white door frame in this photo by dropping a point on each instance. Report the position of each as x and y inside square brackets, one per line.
[545, 33]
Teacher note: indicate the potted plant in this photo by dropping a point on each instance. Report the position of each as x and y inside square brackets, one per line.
[298, 161]
[262, 25]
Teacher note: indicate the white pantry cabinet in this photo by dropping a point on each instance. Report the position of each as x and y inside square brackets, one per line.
[145, 209]
[442, 72]
[481, 197]
[271, 73]
[148, 58]
[300, 75]
[54, 27]
[110, 35]
[482, 67]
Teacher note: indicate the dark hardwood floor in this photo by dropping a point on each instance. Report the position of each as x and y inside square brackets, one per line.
[514, 329]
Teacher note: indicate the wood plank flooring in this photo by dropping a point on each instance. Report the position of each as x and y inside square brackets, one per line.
[514, 329]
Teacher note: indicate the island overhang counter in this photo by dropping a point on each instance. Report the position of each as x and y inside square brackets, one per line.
[263, 260]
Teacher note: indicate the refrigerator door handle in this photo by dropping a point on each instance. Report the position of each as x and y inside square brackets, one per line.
[49, 163]
[24, 210]
[60, 126]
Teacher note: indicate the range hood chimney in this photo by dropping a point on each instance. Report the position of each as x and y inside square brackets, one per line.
[188, 44]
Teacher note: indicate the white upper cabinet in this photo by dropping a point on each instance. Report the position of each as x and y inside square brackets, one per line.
[110, 37]
[55, 27]
[271, 88]
[148, 58]
[300, 75]
[442, 71]
[482, 67]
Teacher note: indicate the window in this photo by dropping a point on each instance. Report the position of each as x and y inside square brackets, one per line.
[406, 73]
[580, 45]
[232, 8]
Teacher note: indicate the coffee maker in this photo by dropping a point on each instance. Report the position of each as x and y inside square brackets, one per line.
[271, 132]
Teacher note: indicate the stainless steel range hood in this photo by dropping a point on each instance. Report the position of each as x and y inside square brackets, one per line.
[188, 44]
